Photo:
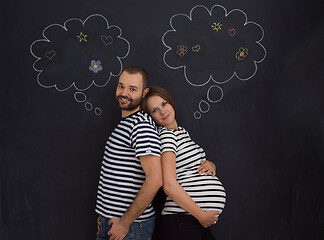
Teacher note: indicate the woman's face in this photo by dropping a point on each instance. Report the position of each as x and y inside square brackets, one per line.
[162, 112]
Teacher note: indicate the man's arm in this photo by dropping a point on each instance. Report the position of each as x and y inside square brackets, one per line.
[153, 172]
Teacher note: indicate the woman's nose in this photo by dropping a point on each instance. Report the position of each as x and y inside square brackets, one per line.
[162, 112]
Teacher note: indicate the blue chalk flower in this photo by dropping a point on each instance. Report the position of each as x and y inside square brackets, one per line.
[95, 66]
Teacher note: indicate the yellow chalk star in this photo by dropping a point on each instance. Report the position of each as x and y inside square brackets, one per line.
[82, 37]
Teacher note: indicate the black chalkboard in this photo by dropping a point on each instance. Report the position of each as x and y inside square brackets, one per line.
[247, 78]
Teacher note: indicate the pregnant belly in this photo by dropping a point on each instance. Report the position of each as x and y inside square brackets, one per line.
[206, 191]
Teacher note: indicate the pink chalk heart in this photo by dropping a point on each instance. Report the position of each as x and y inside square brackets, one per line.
[50, 54]
[107, 39]
[231, 32]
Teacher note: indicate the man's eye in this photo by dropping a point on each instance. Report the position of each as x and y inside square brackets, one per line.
[133, 89]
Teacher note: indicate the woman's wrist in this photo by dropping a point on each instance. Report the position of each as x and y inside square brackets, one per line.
[200, 215]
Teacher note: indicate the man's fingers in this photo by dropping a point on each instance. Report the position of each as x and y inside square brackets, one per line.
[112, 221]
[112, 238]
[99, 223]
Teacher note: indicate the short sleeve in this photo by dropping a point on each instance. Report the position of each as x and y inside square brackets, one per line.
[145, 139]
[168, 141]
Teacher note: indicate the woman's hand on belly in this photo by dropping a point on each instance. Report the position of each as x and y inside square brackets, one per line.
[208, 218]
[207, 167]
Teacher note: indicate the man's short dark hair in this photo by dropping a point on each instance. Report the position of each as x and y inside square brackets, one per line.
[137, 69]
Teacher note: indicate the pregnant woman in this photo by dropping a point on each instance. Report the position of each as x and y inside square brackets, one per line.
[194, 200]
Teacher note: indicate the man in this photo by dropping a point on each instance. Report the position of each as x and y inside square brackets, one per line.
[131, 169]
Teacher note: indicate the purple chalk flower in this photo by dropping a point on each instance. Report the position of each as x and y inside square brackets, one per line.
[95, 66]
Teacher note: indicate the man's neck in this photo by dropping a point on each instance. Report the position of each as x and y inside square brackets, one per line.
[126, 113]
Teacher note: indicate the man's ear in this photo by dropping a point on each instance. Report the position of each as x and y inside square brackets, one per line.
[146, 90]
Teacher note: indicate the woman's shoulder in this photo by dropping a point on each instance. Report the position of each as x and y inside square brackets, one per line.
[164, 130]
[169, 130]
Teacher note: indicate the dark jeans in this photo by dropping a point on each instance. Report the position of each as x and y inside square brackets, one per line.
[182, 227]
[137, 231]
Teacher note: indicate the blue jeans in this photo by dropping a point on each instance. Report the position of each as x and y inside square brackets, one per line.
[137, 231]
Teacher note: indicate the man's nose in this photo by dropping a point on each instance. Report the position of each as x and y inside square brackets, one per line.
[124, 92]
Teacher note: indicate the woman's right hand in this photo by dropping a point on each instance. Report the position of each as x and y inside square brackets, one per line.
[209, 218]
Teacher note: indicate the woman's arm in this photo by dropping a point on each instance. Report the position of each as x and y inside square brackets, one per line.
[176, 192]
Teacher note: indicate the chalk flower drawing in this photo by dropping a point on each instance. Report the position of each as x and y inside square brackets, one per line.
[61, 73]
[182, 50]
[215, 61]
[217, 26]
[59, 69]
[95, 66]
[242, 53]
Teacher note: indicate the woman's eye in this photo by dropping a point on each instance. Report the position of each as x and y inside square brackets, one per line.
[154, 110]
[164, 103]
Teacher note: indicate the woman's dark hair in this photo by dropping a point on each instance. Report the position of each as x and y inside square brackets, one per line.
[161, 92]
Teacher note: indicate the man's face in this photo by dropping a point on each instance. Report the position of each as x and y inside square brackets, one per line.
[129, 92]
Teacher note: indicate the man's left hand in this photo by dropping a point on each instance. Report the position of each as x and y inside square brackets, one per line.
[118, 230]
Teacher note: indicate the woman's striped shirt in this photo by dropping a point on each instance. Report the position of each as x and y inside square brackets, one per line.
[122, 175]
[206, 191]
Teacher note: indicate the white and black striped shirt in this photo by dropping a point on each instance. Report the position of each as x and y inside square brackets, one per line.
[206, 191]
[122, 175]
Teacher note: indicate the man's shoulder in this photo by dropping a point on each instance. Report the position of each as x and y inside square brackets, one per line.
[142, 117]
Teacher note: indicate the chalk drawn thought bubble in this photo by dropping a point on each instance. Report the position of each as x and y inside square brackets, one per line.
[79, 54]
[219, 45]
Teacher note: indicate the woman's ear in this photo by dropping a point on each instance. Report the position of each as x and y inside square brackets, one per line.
[146, 90]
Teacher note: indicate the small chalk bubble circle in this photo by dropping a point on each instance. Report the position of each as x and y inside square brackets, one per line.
[98, 111]
[204, 106]
[88, 106]
[215, 94]
[80, 97]
[197, 115]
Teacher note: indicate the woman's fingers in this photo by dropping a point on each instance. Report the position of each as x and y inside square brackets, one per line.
[207, 168]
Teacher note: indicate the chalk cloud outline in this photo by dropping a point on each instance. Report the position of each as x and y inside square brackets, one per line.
[93, 83]
[210, 76]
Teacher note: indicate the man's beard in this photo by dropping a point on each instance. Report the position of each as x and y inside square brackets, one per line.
[133, 103]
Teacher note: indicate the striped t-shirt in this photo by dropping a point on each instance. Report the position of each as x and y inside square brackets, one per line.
[206, 191]
[122, 175]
